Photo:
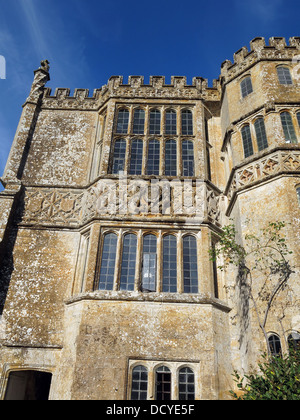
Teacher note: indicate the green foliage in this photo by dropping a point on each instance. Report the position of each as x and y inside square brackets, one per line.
[279, 379]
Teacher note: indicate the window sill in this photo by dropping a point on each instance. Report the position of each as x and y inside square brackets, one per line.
[187, 298]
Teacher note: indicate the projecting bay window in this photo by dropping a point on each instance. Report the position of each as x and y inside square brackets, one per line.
[148, 262]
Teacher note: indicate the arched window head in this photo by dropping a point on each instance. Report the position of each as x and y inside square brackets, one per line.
[122, 123]
[247, 141]
[139, 385]
[284, 75]
[274, 345]
[288, 127]
[246, 86]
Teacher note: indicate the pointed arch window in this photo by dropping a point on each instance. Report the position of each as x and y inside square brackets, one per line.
[153, 157]
[118, 164]
[127, 277]
[186, 384]
[170, 158]
[108, 262]
[246, 86]
[139, 384]
[247, 141]
[188, 158]
[171, 122]
[136, 158]
[288, 128]
[186, 122]
[284, 75]
[169, 264]
[154, 123]
[139, 121]
[149, 263]
[261, 135]
[190, 266]
[122, 122]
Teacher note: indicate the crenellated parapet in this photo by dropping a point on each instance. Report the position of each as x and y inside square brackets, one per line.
[277, 50]
[135, 88]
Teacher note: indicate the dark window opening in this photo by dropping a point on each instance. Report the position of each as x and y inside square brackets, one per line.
[163, 384]
[28, 385]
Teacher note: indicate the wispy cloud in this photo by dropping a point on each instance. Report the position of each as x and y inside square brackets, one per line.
[264, 10]
[34, 27]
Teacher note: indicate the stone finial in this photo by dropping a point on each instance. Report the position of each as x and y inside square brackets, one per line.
[41, 77]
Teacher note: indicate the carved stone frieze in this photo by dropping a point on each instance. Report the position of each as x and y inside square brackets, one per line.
[128, 199]
[281, 161]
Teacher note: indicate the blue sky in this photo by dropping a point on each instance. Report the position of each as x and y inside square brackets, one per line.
[87, 41]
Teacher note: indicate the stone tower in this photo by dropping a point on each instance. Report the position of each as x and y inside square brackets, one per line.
[110, 207]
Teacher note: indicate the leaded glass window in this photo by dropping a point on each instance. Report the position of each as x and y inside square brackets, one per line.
[154, 123]
[138, 121]
[169, 264]
[187, 158]
[246, 86]
[122, 123]
[118, 163]
[153, 157]
[171, 122]
[247, 141]
[139, 383]
[127, 277]
[284, 75]
[186, 384]
[261, 135]
[136, 158]
[149, 263]
[108, 262]
[288, 127]
[187, 123]
[170, 158]
[190, 266]
[163, 384]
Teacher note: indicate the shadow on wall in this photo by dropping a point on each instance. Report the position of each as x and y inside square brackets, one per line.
[7, 246]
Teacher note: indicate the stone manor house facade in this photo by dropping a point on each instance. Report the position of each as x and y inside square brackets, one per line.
[111, 204]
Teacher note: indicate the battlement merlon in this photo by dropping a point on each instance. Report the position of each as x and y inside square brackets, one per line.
[259, 50]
